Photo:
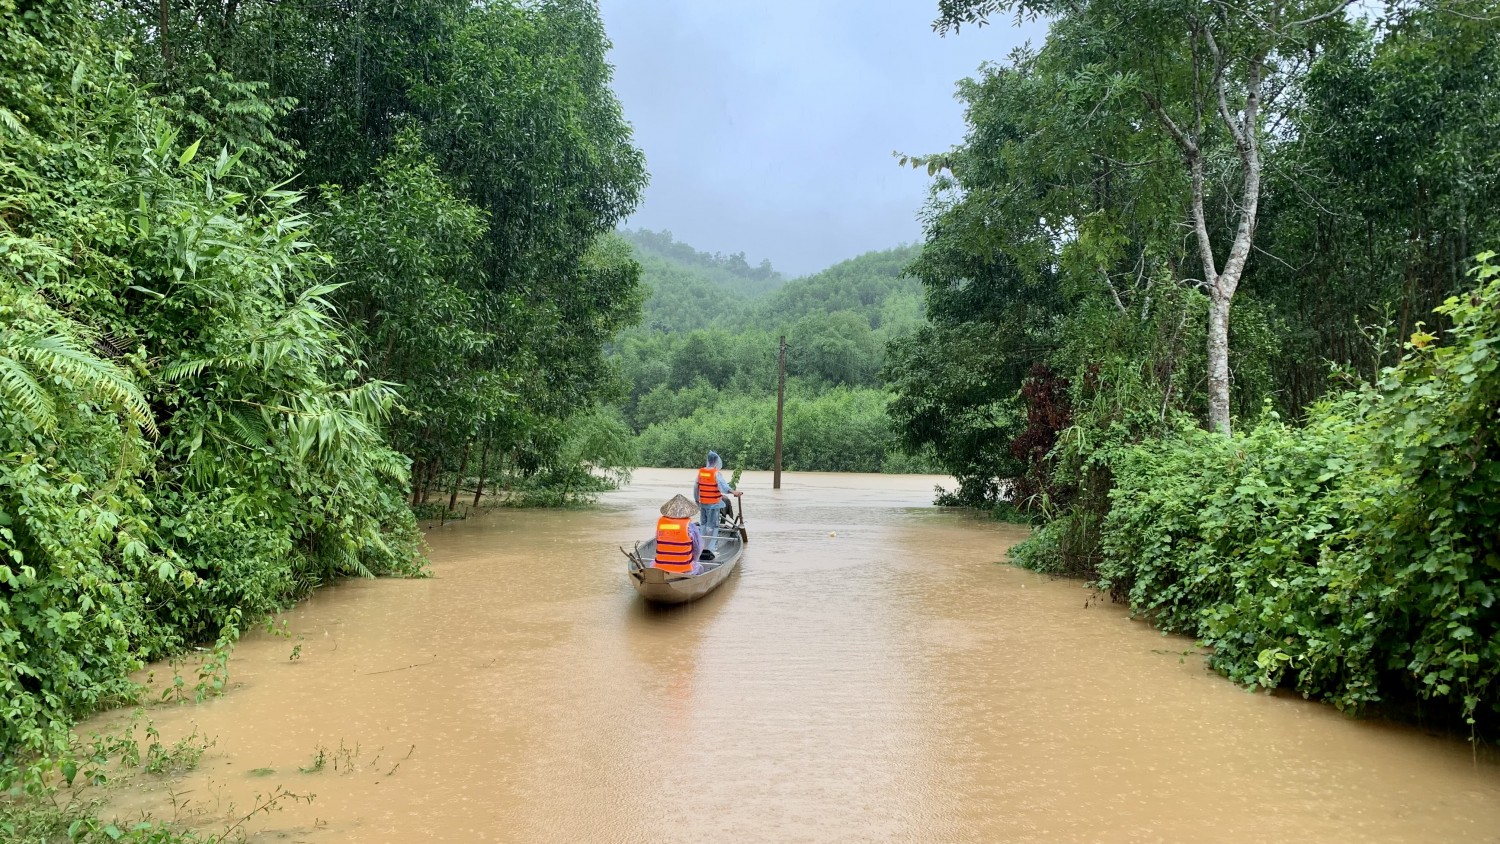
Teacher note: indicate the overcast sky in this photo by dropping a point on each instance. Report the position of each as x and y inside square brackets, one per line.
[768, 125]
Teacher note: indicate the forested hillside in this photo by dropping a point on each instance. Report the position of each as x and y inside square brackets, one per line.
[701, 367]
[257, 259]
[1208, 297]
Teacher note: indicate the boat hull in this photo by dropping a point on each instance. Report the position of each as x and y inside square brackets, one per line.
[660, 587]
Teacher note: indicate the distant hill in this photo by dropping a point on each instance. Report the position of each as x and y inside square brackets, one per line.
[693, 290]
[701, 368]
[872, 285]
[732, 272]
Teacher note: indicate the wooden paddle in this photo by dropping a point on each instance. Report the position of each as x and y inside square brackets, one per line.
[739, 523]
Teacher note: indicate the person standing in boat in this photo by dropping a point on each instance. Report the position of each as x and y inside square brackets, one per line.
[710, 492]
[679, 543]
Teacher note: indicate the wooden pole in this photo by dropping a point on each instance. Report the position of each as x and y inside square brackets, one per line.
[463, 466]
[780, 407]
[484, 464]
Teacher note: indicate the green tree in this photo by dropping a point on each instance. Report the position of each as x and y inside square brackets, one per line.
[192, 442]
[508, 107]
[1208, 79]
[702, 355]
[837, 348]
[407, 253]
[1373, 214]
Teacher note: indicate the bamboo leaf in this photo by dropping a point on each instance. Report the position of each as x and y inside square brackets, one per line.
[187, 154]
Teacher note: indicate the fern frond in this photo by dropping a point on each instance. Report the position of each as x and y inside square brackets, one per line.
[9, 120]
[20, 390]
[251, 427]
[57, 355]
[350, 563]
[28, 362]
[186, 369]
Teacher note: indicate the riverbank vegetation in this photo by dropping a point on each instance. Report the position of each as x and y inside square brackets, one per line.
[1173, 220]
[701, 368]
[269, 273]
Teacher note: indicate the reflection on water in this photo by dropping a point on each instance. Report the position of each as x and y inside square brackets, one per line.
[869, 674]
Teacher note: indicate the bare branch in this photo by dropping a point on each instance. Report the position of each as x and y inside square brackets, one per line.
[1197, 87]
[1277, 258]
[1113, 292]
[1446, 9]
[1200, 223]
[1166, 398]
[1240, 11]
[1269, 100]
[1129, 164]
[1308, 196]
[1188, 145]
[1336, 10]
[1235, 129]
[1141, 287]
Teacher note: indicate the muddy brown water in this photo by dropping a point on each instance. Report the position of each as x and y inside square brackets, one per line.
[872, 673]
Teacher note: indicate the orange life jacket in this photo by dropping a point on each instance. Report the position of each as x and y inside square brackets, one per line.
[674, 546]
[708, 487]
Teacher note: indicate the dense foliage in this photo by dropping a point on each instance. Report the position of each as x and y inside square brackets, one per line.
[256, 259]
[702, 369]
[840, 429]
[1075, 291]
[468, 162]
[1354, 558]
[188, 440]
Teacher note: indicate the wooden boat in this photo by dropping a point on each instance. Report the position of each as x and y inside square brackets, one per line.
[664, 587]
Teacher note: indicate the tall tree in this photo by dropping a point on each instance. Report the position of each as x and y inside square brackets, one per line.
[1210, 77]
[189, 442]
[1376, 201]
[526, 160]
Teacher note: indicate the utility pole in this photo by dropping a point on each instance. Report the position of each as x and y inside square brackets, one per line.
[780, 405]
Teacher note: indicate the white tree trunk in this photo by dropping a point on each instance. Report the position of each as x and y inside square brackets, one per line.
[1244, 127]
[1218, 362]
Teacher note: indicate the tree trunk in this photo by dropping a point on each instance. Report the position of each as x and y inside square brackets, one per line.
[1222, 294]
[484, 464]
[463, 466]
[1218, 362]
[166, 48]
[432, 470]
[1244, 127]
[418, 477]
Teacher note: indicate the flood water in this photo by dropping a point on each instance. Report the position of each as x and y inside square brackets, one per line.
[872, 673]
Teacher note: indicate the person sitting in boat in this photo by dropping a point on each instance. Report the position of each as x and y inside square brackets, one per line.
[678, 540]
[710, 493]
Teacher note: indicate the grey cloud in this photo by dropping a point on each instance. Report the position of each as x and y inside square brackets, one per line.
[768, 127]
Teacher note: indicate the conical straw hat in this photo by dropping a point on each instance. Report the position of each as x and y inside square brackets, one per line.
[679, 508]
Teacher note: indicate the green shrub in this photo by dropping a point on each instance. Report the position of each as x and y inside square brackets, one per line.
[845, 429]
[1355, 559]
[185, 441]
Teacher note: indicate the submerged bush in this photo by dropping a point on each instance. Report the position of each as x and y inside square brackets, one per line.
[1355, 559]
[844, 429]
